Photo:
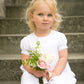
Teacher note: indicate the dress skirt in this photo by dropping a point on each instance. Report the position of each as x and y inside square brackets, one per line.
[64, 78]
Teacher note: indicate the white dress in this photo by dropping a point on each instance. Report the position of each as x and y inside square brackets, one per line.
[50, 44]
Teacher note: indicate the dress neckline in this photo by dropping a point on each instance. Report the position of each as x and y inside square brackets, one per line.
[48, 36]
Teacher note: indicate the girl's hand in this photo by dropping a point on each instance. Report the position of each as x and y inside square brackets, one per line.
[52, 75]
[32, 70]
[38, 73]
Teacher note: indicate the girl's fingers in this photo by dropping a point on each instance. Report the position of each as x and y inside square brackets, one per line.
[40, 73]
[47, 76]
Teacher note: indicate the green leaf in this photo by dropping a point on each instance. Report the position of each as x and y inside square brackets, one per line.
[38, 43]
[29, 50]
[23, 62]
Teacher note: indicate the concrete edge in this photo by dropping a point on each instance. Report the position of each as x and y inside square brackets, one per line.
[71, 56]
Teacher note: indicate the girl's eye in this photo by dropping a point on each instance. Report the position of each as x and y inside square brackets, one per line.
[40, 14]
[49, 15]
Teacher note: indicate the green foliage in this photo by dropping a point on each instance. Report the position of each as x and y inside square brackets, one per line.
[35, 55]
[38, 45]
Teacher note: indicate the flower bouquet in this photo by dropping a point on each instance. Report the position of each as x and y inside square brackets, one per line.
[39, 61]
[35, 60]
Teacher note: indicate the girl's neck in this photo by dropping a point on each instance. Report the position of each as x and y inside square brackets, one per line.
[42, 33]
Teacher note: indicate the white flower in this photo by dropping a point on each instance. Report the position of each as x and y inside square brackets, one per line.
[49, 58]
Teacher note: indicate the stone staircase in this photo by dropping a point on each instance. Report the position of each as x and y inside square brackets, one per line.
[13, 29]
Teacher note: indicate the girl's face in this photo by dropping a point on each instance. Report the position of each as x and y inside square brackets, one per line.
[42, 17]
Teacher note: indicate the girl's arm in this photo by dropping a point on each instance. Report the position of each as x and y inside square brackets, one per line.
[63, 55]
[31, 70]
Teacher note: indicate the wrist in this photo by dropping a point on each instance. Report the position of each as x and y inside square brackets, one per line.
[53, 74]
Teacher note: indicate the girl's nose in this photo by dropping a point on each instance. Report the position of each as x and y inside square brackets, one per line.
[45, 18]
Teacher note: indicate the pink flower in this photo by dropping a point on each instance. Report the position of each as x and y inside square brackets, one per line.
[42, 64]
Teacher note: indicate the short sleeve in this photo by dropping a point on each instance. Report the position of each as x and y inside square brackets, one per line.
[24, 45]
[62, 42]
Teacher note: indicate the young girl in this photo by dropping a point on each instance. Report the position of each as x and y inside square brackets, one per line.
[43, 19]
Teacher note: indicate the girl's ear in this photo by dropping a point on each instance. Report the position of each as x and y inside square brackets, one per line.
[31, 16]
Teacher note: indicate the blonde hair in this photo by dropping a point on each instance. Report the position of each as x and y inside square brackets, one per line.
[53, 7]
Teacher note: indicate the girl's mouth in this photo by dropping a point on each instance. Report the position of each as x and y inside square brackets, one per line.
[45, 23]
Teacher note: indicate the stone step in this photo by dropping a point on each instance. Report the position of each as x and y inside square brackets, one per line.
[71, 57]
[9, 82]
[19, 26]
[15, 8]
[75, 43]
[15, 12]
[20, 2]
[72, 24]
[71, 7]
[15, 2]
[15, 26]
[10, 66]
[18, 82]
[10, 44]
